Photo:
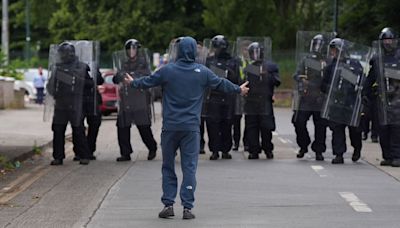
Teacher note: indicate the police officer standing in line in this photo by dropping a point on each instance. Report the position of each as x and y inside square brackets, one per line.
[66, 85]
[344, 97]
[220, 107]
[135, 104]
[309, 101]
[259, 114]
[387, 61]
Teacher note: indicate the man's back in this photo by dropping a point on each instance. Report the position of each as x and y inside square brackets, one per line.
[183, 83]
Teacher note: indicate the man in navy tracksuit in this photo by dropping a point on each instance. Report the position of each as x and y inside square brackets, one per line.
[183, 83]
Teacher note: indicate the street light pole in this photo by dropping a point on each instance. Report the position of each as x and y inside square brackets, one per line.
[335, 16]
[27, 30]
[4, 32]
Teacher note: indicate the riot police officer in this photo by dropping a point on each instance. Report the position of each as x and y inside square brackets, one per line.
[135, 104]
[220, 106]
[308, 78]
[344, 98]
[259, 114]
[383, 66]
[66, 84]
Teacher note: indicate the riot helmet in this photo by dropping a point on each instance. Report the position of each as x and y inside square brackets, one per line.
[66, 51]
[220, 44]
[256, 51]
[317, 44]
[388, 39]
[131, 48]
[336, 46]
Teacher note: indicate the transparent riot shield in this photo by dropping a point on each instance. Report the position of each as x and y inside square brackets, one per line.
[65, 87]
[201, 54]
[222, 62]
[49, 101]
[134, 106]
[254, 52]
[88, 52]
[388, 78]
[173, 50]
[311, 58]
[343, 101]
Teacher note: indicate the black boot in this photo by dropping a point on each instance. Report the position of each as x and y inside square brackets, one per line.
[84, 161]
[124, 158]
[356, 155]
[396, 163]
[152, 155]
[319, 156]
[226, 155]
[253, 156]
[269, 154]
[338, 159]
[56, 162]
[301, 153]
[214, 156]
[386, 162]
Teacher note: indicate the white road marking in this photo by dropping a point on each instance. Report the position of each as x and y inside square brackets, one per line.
[355, 202]
[289, 141]
[282, 140]
[320, 170]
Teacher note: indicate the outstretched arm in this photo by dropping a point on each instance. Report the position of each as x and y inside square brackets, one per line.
[153, 80]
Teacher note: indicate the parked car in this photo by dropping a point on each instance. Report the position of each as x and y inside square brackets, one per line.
[27, 83]
[109, 94]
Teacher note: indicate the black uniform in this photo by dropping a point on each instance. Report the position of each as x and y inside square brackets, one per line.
[130, 113]
[389, 135]
[66, 85]
[337, 128]
[259, 117]
[310, 106]
[220, 107]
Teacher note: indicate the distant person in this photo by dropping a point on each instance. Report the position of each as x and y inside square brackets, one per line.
[38, 83]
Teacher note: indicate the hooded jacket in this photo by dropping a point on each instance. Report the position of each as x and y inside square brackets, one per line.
[183, 83]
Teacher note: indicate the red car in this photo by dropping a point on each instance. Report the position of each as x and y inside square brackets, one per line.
[109, 94]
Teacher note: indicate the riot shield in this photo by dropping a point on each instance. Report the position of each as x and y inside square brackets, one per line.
[311, 58]
[65, 87]
[201, 54]
[388, 78]
[89, 52]
[254, 52]
[222, 62]
[134, 106]
[49, 101]
[343, 101]
[173, 50]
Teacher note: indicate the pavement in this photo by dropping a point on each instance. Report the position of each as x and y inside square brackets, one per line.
[284, 192]
[22, 130]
